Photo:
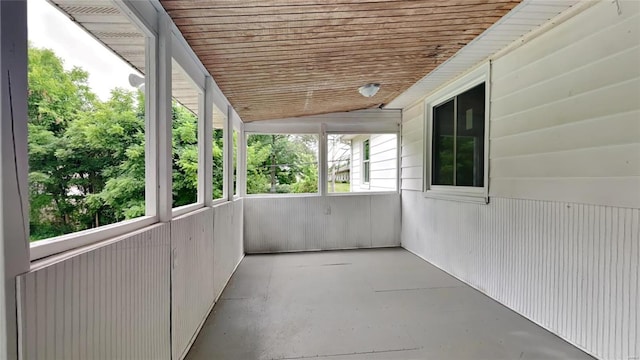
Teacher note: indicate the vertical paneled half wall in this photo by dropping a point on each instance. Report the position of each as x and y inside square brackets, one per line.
[109, 301]
[206, 249]
[572, 268]
[140, 296]
[192, 268]
[228, 249]
[283, 224]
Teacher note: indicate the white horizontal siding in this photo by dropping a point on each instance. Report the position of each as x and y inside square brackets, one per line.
[110, 302]
[321, 223]
[572, 268]
[565, 108]
[383, 168]
[411, 161]
[519, 22]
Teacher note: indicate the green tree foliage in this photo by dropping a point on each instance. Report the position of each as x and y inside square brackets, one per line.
[282, 163]
[87, 156]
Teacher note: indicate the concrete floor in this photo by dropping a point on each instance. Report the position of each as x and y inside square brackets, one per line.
[363, 304]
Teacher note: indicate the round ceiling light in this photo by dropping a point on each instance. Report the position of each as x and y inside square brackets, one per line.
[369, 90]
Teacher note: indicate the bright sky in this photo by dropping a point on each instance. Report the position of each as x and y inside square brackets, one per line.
[49, 28]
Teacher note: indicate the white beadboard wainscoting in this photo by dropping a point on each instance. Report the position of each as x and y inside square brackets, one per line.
[281, 224]
[192, 268]
[132, 297]
[206, 248]
[228, 250]
[109, 302]
[572, 268]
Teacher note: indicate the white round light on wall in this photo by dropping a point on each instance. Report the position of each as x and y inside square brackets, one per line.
[369, 90]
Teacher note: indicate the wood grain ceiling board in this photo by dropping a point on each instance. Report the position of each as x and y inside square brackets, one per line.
[282, 58]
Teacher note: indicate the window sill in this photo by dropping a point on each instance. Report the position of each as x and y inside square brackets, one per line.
[360, 193]
[52, 246]
[461, 196]
[185, 209]
[281, 195]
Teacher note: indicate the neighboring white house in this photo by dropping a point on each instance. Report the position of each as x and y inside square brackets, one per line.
[374, 164]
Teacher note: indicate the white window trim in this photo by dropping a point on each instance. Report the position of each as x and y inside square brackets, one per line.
[62, 243]
[464, 83]
[51, 246]
[271, 195]
[325, 134]
[162, 34]
[190, 71]
[365, 184]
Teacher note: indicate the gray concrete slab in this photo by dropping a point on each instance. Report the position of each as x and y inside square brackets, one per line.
[363, 304]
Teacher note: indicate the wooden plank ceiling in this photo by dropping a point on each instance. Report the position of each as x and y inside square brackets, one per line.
[287, 58]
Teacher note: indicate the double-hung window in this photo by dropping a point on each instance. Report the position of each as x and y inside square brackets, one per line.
[457, 132]
[366, 161]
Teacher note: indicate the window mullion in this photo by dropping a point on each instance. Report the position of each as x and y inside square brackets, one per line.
[206, 143]
[165, 119]
[455, 139]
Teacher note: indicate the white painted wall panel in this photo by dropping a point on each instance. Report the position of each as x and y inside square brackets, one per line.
[228, 248]
[566, 106]
[572, 268]
[321, 223]
[192, 285]
[110, 301]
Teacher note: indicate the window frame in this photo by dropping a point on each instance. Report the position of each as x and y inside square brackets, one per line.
[190, 73]
[67, 242]
[225, 128]
[366, 179]
[481, 74]
[269, 195]
[324, 181]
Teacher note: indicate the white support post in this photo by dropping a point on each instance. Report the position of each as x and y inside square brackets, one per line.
[14, 191]
[322, 160]
[151, 127]
[206, 142]
[164, 118]
[228, 154]
[242, 162]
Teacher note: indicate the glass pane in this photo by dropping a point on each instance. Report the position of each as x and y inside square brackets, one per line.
[185, 137]
[362, 162]
[282, 163]
[219, 121]
[470, 138]
[443, 141]
[86, 122]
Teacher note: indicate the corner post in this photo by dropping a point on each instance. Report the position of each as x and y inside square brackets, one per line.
[14, 190]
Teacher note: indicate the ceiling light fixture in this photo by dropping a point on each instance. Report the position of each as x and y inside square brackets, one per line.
[369, 90]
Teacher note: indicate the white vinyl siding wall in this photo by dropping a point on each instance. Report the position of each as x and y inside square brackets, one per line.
[565, 112]
[383, 156]
[559, 241]
[411, 156]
